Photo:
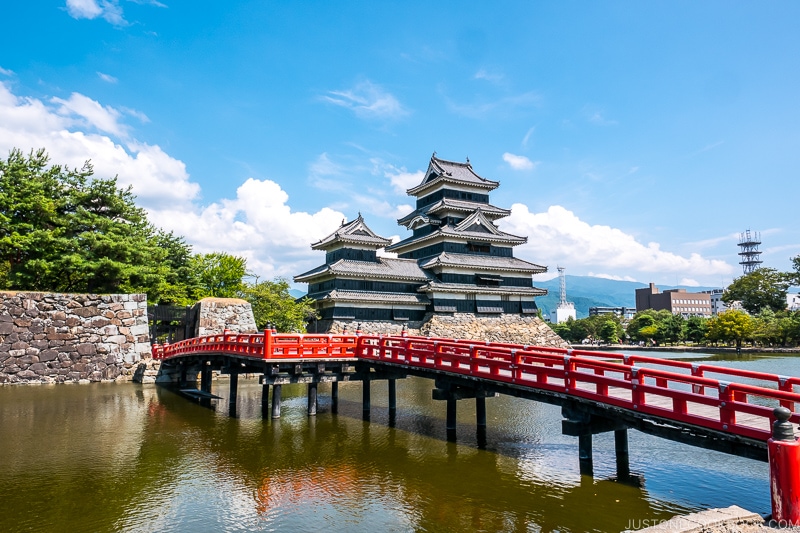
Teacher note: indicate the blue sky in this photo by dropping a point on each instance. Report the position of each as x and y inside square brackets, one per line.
[632, 140]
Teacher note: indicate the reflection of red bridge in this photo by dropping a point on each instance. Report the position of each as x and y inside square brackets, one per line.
[724, 409]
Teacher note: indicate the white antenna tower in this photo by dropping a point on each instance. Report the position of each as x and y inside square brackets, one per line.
[562, 285]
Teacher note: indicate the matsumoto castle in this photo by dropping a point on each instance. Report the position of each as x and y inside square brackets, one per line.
[456, 260]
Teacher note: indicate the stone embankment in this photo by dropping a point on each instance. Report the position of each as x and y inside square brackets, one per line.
[62, 338]
[731, 519]
[516, 329]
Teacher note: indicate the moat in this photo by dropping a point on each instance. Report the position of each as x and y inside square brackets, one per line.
[126, 457]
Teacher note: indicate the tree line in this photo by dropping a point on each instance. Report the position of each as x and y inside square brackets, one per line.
[65, 230]
[764, 319]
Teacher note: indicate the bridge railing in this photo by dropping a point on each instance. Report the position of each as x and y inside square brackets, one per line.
[700, 394]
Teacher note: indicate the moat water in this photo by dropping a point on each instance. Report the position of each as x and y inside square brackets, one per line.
[131, 458]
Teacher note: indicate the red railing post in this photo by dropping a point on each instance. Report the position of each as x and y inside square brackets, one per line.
[727, 415]
[267, 343]
[784, 471]
[787, 386]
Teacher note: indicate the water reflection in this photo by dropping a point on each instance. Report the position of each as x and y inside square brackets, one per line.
[140, 458]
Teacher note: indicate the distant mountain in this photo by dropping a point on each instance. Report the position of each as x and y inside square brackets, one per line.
[587, 291]
[296, 294]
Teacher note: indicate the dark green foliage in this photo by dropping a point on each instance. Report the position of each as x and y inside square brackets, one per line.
[272, 304]
[764, 288]
[64, 231]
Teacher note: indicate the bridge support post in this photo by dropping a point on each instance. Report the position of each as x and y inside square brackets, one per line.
[234, 391]
[312, 399]
[450, 423]
[480, 412]
[365, 398]
[205, 379]
[392, 401]
[182, 378]
[784, 470]
[585, 455]
[276, 401]
[335, 397]
[264, 400]
[621, 449]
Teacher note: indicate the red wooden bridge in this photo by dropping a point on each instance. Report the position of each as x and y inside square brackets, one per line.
[715, 407]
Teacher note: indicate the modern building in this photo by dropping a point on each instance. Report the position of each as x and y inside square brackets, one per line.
[625, 312]
[456, 261]
[793, 302]
[676, 301]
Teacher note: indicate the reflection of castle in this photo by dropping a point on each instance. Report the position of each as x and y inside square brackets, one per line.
[456, 261]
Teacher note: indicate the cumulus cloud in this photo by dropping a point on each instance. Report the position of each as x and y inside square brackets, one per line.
[558, 236]
[402, 180]
[108, 10]
[367, 100]
[257, 224]
[519, 162]
[79, 128]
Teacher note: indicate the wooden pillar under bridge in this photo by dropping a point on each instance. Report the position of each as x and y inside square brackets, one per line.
[276, 401]
[450, 423]
[585, 455]
[365, 398]
[205, 379]
[392, 401]
[234, 392]
[335, 397]
[312, 399]
[182, 378]
[265, 400]
[621, 449]
[480, 412]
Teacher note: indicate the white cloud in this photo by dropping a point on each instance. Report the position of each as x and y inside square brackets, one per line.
[528, 136]
[558, 236]
[367, 100]
[689, 282]
[79, 128]
[109, 10]
[609, 276]
[402, 180]
[258, 224]
[108, 78]
[519, 162]
[6, 72]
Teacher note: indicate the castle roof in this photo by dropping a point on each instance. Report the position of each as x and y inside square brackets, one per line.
[463, 288]
[482, 262]
[338, 295]
[440, 170]
[476, 227]
[384, 268]
[460, 206]
[354, 232]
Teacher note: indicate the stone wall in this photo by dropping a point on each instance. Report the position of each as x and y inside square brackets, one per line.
[58, 338]
[517, 329]
[218, 314]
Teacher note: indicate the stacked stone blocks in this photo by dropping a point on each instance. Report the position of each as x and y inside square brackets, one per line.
[63, 338]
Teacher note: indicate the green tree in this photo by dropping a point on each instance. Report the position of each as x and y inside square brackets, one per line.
[219, 275]
[696, 328]
[672, 328]
[273, 304]
[764, 288]
[731, 325]
[611, 331]
[64, 230]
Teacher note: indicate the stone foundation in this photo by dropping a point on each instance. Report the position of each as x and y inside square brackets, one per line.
[516, 329]
[218, 314]
[60, 338]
